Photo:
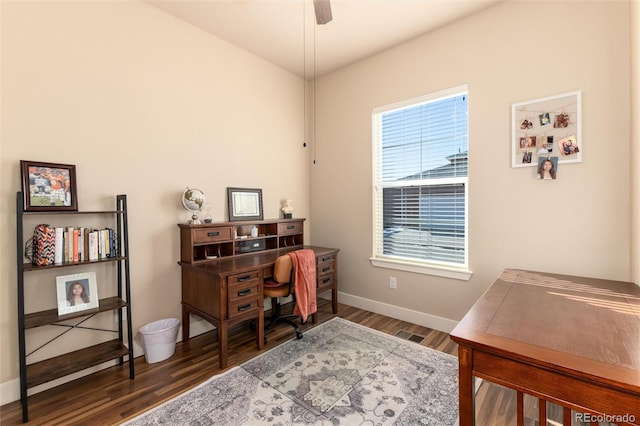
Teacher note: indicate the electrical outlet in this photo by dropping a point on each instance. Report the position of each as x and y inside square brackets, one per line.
[393, 282]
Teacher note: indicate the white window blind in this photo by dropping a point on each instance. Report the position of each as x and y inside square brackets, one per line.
[420, 184]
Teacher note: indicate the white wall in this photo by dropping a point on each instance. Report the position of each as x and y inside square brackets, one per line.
[146, 105]
[578, 224]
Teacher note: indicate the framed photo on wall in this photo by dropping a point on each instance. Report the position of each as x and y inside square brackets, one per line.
[547, 127]
[76, 292]
[48, 186]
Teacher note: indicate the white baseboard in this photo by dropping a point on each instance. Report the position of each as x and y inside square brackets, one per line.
[426, 320]
[9, 391]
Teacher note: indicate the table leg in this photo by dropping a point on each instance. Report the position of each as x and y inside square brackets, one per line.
[334, 298]
[185, 324]
[542, 412]
[260, 330]
[520, 408]
[222, 344]
[566, 416]
[466, 384]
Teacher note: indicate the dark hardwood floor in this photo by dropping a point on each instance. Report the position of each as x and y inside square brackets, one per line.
[108, 397]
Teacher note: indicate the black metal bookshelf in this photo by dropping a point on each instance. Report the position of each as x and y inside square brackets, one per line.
[37, 373]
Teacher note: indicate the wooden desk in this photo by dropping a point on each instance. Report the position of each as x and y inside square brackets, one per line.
[569, 340]
[229, 290]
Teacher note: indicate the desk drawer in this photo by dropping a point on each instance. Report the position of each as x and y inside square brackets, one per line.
[208, 235]
[249, 290]
[267, 272]
[240, 307]
[326, 269]
[325, 260]
[289, 228]
[240, 279]
[328, 281]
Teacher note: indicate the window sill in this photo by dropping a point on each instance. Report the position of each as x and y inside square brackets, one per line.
[439, 271]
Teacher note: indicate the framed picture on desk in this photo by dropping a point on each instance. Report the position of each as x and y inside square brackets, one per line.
[244, 204]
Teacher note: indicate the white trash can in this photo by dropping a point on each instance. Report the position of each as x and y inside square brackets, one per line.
[158, 339]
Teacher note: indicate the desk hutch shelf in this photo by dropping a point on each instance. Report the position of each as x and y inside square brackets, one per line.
[206, 242]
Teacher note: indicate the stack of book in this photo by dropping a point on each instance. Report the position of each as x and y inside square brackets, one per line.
[84, 244]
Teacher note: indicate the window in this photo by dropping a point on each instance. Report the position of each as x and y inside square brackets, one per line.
[420, 184]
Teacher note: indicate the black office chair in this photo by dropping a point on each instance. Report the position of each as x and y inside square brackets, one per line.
[281, 285]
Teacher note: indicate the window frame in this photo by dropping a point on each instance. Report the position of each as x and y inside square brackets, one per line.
[378, 259]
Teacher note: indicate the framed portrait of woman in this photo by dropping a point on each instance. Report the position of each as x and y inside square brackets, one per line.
[76, 293]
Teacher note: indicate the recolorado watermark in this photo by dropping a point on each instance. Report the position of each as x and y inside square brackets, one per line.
[602, 418]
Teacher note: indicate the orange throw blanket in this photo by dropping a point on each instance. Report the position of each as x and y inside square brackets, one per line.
[304, 264]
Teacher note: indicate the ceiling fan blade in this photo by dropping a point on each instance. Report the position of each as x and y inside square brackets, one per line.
[323, 11]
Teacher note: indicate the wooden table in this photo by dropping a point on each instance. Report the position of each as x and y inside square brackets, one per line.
[229, 291]
[573, 341]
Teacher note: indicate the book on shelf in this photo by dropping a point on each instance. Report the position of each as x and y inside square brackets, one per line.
[102, 247]
[74, 240]
[80, 245]
[85, 239]
[65, 246]
[93, 245]
[112, 242]
[59, 254]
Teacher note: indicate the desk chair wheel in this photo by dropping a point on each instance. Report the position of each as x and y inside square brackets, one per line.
[298, 334]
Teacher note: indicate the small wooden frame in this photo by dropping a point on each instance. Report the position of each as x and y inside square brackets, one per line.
[48, 186]
[244, 204]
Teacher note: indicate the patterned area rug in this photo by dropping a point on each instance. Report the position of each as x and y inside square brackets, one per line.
[340, 373]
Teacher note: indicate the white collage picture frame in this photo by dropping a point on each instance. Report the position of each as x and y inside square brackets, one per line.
[547, 127]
